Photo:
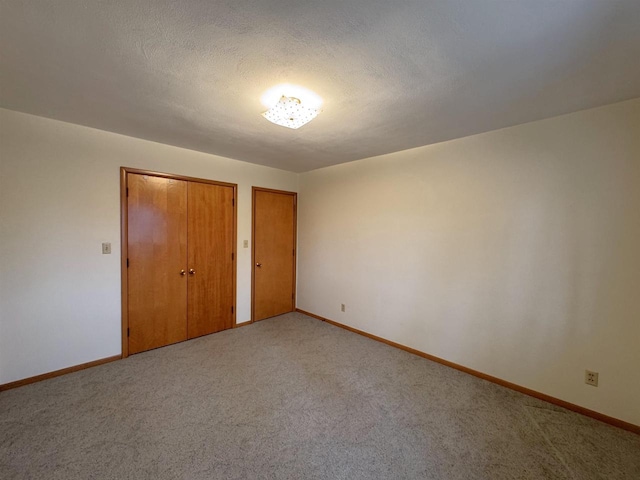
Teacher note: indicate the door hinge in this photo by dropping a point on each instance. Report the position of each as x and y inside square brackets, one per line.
[127, 331]
[127, 191]
[232, 309]
[127, 263]
[233, 202]
[233, 256]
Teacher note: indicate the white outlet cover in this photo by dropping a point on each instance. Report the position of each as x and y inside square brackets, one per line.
[591, 378]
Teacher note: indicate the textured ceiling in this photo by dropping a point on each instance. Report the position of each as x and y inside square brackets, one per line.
[393, 74]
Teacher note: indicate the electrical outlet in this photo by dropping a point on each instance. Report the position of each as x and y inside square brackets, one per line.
[591, 378]
[342, 307]
[106, 248]
[245, 243]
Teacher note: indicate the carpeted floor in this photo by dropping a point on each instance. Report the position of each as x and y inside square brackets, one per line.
[295, 398]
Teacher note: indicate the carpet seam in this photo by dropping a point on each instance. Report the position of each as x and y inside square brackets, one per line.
[546, 438]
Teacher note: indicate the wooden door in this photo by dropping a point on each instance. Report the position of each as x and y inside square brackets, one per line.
[274, 237]
[211, 293]
[157, 259]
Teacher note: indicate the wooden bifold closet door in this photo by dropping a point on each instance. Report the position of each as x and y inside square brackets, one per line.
[157, 253]
[211, 240]
[180, 259]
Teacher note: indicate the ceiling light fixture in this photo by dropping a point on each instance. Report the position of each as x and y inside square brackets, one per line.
[290, 105]
[290, 112]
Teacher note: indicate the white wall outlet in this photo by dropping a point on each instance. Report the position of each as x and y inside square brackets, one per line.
[342, 307]
[591, 378]
[106, 248]
[245, 243]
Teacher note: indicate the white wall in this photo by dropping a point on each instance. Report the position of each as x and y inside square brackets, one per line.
[59, 200]
[514, 252]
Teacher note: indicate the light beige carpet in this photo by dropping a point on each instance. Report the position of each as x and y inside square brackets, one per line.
[295, 398]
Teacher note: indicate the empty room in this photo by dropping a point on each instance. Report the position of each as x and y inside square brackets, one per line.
[353, 239]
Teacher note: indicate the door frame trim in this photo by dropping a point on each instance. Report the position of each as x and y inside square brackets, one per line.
[124, 241]
[253, 245]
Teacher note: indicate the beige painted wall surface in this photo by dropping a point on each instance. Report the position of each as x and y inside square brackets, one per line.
[515, 253]
[59, 200]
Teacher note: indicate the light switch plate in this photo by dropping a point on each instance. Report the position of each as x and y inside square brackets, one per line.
[245, 244]
[106, 248]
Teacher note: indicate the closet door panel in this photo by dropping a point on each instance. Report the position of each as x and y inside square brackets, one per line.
[210, 250]
[157, 253]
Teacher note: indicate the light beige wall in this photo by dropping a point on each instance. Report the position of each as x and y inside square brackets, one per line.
[514, 252]
[59, 200]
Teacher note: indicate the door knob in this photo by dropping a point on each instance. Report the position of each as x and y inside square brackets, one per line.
[182, 272]
[258, 264]
[192, 271]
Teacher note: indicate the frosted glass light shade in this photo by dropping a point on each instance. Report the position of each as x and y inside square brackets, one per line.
[289, 112]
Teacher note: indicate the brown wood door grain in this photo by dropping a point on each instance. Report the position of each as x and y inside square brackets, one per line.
[211, 247]
[157, 253]
[274, 233]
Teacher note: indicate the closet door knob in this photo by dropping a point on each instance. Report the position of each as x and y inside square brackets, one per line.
[258, 264]
[183, 273]
[192, 271]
